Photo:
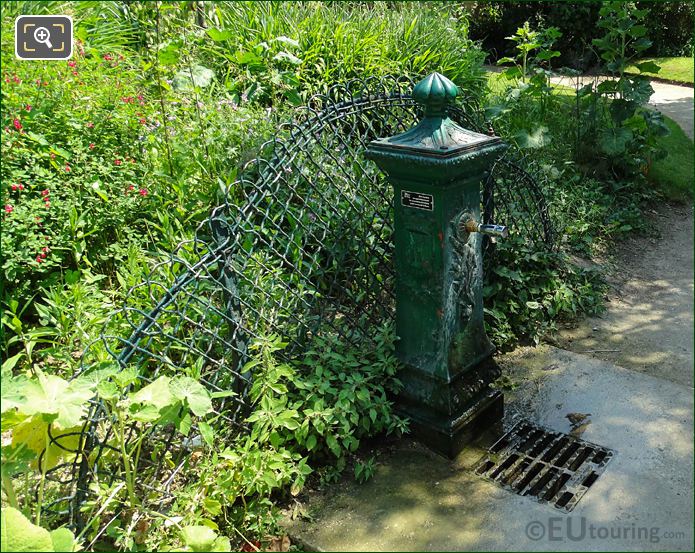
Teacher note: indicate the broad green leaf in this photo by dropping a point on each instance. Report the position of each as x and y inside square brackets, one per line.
[156, 394]
[188, 78]
[218, 35]
[185, 388]
[57, 400]
[63, 540]
[199, 538]
[19, 534]
[648, 67]
[32, 434]
[12, 390]
[169, 55]
[536, 139]
[221, 544]
[614, 141]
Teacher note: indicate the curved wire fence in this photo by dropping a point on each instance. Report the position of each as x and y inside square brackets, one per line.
[301, 246]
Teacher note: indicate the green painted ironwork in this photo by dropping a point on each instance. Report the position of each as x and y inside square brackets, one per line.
[301, 244]
[437, 169]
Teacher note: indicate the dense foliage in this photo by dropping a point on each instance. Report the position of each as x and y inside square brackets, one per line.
[112, 159]
[669, 24]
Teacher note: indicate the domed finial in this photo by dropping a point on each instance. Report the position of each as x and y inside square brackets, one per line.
[434, 92]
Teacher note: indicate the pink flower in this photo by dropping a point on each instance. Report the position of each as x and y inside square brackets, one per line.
[118, 162]
[75, 73]
[72, 63]
[21, 186]
[9, 208]
[131, 187]
[53, 156]
[38, 259]
[47, 204]
[45, 193]
[44, 249]
[108, 57]
[91, 145]
[67, 168]
[143, 191]
[17, 79]
[28, 107]
[17, 124]
[90, 125]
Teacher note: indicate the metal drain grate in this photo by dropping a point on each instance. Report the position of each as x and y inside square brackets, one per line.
[550, 467]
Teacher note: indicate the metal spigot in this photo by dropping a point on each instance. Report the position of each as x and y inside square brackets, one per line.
[468, 224]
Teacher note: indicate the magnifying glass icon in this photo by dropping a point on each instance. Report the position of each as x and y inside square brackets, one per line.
[42, 36]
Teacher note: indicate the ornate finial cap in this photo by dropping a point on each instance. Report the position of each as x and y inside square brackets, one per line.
[434, 92]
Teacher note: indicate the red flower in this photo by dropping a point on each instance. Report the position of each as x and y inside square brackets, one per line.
[28, 107]
[9, 208]
[143, 121]
[143, 191]
[118, 162]
[15, 187]
[45, 192]
[75, 73]
[131, 187]
[38, 259]
[17, 124]
[17, 79]
[42, 255]
[67, 168]
[72, 63]
[108, 57]
[91, 145]
[44, 249]
[47, 204]
[7, 80]
[90, 125]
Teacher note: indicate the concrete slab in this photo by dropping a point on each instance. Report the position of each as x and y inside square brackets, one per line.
[418, 501]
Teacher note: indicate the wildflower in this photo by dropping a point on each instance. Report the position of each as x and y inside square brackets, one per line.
[67, 168]
[9, 208]
[17, 79]
[90, 125]
[91, 145]
[28, 107]
[44, 249]
[143, 191]
[75, 73]
[107, 57]
[72, 63]
[15, 187]
[131, 187]
[118, 162]
[17, 124]
[143, 121]
[21, 186]
[7, 80]
[38, 259]
[53, 156]
[45, 192]
[47, 204]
